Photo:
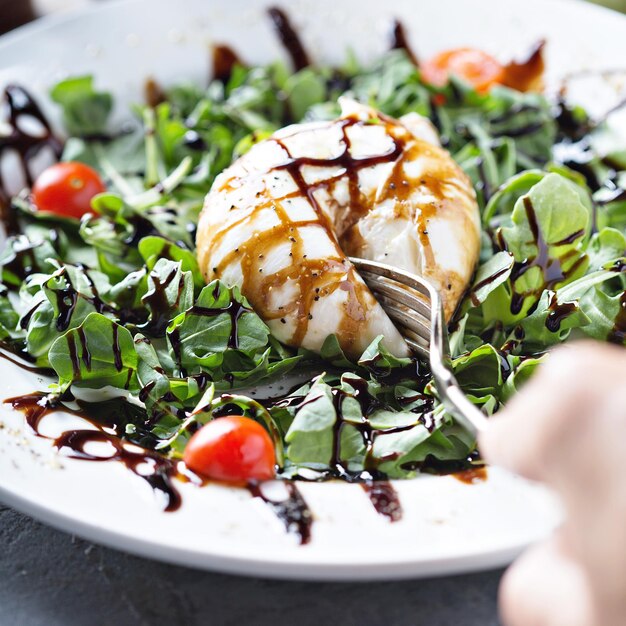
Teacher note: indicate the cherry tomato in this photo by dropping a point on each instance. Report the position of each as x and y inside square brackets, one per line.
[67, 189]
[476, 67]
[231, 449]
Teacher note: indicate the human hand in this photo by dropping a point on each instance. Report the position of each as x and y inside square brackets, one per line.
[567, 429]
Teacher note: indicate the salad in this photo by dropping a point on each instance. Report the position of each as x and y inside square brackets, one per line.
[101, 285]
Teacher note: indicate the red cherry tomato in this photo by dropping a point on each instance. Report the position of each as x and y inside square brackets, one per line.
[231, 449]
[476, 67]
[67, 189]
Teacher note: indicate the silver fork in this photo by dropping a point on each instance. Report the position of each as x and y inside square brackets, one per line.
[416, 309]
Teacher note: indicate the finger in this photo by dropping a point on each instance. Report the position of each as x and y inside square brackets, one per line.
[593, 490]
[557, 402]
[518, 435]
[545, 587]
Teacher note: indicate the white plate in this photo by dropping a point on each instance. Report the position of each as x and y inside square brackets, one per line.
[448, 526]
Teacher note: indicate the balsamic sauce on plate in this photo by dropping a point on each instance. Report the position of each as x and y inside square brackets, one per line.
[156, 469]
[289, 38]
[25, 144]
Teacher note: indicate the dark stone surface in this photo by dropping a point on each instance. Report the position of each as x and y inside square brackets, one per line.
[49, 578]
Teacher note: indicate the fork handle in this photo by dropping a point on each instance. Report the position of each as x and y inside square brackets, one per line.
[457, 403]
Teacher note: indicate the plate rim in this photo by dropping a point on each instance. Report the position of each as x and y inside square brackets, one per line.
[253, 566]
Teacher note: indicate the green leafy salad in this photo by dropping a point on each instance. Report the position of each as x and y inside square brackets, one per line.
[109, 300]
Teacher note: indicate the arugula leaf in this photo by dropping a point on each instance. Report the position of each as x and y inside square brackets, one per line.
[605, 247]
[96, 354]
[331, 351]
[392, 84]
[490, 275]
[378, 359]
[571, 307]
[170, 291]
[552, 321]
[310, 437]
[404, 452]
[22, 256]
[151, 375]
[223, 337]
[66, 298]
[603, 310]
[85, 110]
[304, 89]
[523, 371]
[554, 210]
[154, 248]
[505, 197]
[549, 226]
[220, 320]
[480, 372]
[9, 318]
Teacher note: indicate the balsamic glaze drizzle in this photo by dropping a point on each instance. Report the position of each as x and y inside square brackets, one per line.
[472, 475]
[384, 499]
[618, 332]
[551, 268]
[156, 469]
[483, 283]
[21, 262]
[18, 356]
[234, 309]
[26, 145]
[74, 444]
[67, 299]
[153, 93]
[156, 300]
[558, 312]
[289, 38]
[400, 42]
[293, 511]
[526, 75]
[224, 60]
[471, 467]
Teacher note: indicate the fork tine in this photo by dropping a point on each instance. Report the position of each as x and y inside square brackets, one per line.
[415, 308]
[404, 278]
[401, 282]
[418, 348]
[403, 294]
[415, 338]
[404, 317]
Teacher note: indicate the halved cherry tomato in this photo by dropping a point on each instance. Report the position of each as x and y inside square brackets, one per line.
[478, 68]
[67, 189]
[232, 449]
